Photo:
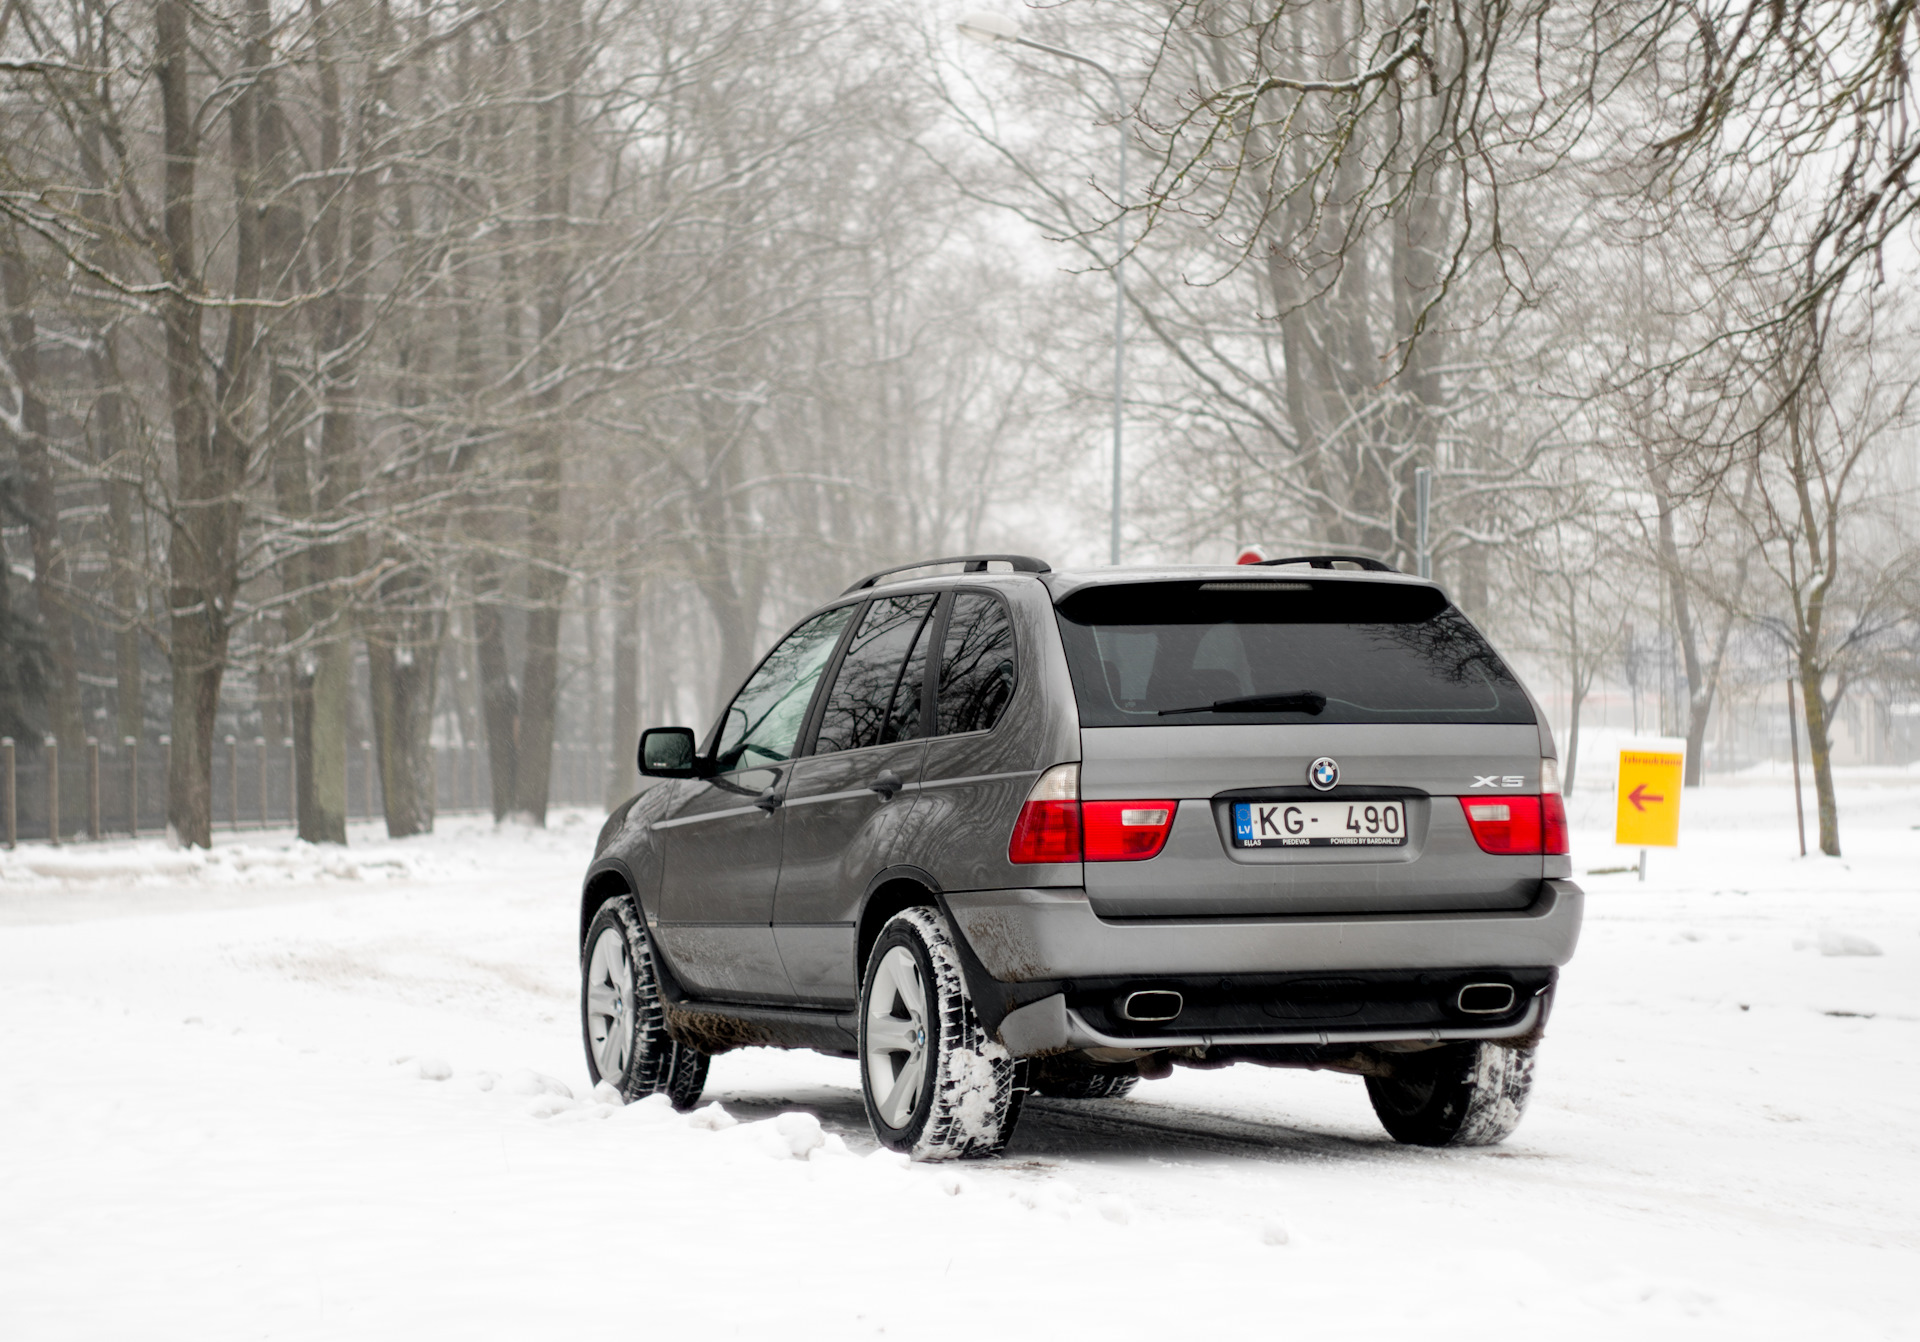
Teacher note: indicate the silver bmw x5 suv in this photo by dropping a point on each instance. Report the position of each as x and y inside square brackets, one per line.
[1009, 831]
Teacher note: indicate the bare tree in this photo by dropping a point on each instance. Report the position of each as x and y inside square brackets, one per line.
[1814, 495]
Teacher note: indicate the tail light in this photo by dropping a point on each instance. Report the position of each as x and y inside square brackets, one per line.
[1126, 831]
[1553, 811]
[1553, 825]
[1048, 829]
[1524, 825]
[1056, 826]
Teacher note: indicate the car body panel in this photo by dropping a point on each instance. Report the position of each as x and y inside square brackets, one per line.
[1026, 936]
[973, 783]
[1201, 874]
[720, 858]
[839, 832]
[1051, 1026]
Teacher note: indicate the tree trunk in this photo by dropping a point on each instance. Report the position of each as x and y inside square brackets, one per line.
[1820, 751]
[533, 765]
[1700, 685]
[123, 548]
[197, 643]
[499, 697]
[406, 623]
[540, 678]
[320, 702]
[553, 142]
[117, 459]
[318, 665]
[22, 676]
[462, 677]
[624, 742]
[403, 667]
[211, 454]
[340, 247]
[40, 501]
[1819, 532]
[1573, 742]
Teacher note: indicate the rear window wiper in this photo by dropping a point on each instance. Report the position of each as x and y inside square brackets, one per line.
[1300, 701]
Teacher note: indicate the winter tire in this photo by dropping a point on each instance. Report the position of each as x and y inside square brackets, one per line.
[1466, 1094]
[1064, 1077]
[935, 1086]
[621, 1019]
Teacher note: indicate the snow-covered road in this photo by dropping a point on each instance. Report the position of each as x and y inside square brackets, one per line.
[274, 1093]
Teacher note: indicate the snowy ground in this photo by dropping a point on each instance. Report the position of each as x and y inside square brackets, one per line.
[278, 1093]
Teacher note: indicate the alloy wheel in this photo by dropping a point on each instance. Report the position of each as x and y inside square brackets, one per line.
[896, 1036]
[610, 1004]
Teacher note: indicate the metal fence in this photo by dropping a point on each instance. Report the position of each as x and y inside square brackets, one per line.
[109, 790]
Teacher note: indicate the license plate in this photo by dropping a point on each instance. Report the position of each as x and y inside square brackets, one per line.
[1319, 824]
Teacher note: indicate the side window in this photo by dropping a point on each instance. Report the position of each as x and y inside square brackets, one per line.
[903, 721]
[876, 697]
[763, 722]
[976, 664]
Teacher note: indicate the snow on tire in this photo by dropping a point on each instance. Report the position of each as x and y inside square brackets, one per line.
[1464, 1094]
[934, 1084]
[622, 1021]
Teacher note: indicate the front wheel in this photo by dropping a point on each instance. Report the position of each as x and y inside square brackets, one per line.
[1465, 1094]
[621, 1017]
[935, 1086]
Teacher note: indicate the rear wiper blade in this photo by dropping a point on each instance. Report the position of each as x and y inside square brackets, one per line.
[1300, 701]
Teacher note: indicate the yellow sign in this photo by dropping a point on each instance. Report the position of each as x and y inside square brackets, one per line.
[1647, 797]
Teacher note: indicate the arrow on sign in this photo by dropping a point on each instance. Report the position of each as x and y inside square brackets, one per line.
[1640, 795]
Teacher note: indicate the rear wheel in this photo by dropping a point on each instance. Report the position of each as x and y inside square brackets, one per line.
[935, 1086]
[621, 1018]
[1465, 1094]
[1065, 1077]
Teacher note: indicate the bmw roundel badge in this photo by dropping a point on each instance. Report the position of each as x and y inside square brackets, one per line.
[1323, 773]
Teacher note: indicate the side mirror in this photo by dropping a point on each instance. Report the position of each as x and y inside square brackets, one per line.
[667, 752]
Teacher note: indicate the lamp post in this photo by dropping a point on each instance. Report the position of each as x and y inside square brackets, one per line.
[990, 27]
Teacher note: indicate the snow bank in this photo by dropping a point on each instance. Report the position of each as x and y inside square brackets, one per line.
[151, 863]
[460, 845]
[1834, 942]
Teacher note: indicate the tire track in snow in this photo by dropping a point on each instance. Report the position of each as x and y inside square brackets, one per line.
[1097, 1129]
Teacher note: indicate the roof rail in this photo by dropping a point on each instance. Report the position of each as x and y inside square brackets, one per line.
[974, 564]
[1328, 561]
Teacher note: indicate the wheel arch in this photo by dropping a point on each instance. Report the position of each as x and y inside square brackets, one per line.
[605, 881]
[896, 889]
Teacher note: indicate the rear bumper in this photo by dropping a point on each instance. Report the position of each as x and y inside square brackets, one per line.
[1051, 1026]
[1037, 936]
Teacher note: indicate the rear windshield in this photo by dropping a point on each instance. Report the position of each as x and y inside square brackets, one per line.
[1163, 654]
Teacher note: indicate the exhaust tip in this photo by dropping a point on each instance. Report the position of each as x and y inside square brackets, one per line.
[1485, 999]
[1155, 1004]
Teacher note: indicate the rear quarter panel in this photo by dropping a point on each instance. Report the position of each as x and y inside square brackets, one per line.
[973, 785]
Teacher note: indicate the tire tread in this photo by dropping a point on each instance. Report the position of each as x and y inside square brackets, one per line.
[1466, 1094]
[978, 1087]
[658, 1063]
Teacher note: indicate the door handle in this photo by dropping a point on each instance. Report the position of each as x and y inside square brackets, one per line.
[887, 784]
[768, 801]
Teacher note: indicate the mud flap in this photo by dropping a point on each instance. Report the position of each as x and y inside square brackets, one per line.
[1037, 1029]
[992, 999]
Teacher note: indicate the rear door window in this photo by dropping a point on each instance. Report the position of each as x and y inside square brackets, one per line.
[875, 698]
[976, 664]
[1161, 654]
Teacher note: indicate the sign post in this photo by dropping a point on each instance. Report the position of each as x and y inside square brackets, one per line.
[1647, 796]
